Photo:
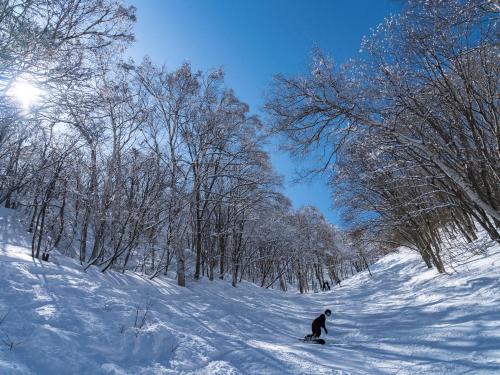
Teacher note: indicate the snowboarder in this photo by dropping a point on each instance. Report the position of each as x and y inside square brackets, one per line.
[317, 324]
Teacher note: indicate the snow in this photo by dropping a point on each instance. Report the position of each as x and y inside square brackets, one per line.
[405, 319]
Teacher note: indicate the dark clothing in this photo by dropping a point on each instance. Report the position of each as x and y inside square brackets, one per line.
[317, 324]
[316, 331]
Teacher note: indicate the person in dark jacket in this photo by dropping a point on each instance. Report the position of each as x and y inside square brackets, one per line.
[319, 323]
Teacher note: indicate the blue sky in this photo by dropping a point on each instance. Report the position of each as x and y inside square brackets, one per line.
[253, 40]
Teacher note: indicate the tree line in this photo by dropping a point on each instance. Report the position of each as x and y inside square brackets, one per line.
[131, 166]
[410, 130]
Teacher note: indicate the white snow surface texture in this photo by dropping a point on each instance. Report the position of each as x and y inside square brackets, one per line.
[403, 320]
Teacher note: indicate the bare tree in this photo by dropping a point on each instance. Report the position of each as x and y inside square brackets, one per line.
[412, 129]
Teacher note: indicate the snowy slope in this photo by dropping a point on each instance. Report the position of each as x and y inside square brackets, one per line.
[403, 320]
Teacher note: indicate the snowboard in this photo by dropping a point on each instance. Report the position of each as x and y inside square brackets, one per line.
[313, 341]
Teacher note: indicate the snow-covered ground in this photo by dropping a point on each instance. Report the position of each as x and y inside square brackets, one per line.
[405, 319]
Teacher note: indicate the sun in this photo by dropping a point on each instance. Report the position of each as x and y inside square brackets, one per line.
[24, 93]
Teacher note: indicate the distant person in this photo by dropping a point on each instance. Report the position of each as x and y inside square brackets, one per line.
[317, 324]
[337, 280]
[327, 286]
[324, 286]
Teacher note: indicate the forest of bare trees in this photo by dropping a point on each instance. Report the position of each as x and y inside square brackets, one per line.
[409, 132]
[132, 166]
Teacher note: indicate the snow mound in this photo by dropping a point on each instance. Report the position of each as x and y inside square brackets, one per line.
[57, 319]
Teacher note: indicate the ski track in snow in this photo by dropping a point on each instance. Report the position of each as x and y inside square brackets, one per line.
[403, 320]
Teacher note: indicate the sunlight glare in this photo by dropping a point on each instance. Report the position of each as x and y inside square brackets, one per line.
[25, 93]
